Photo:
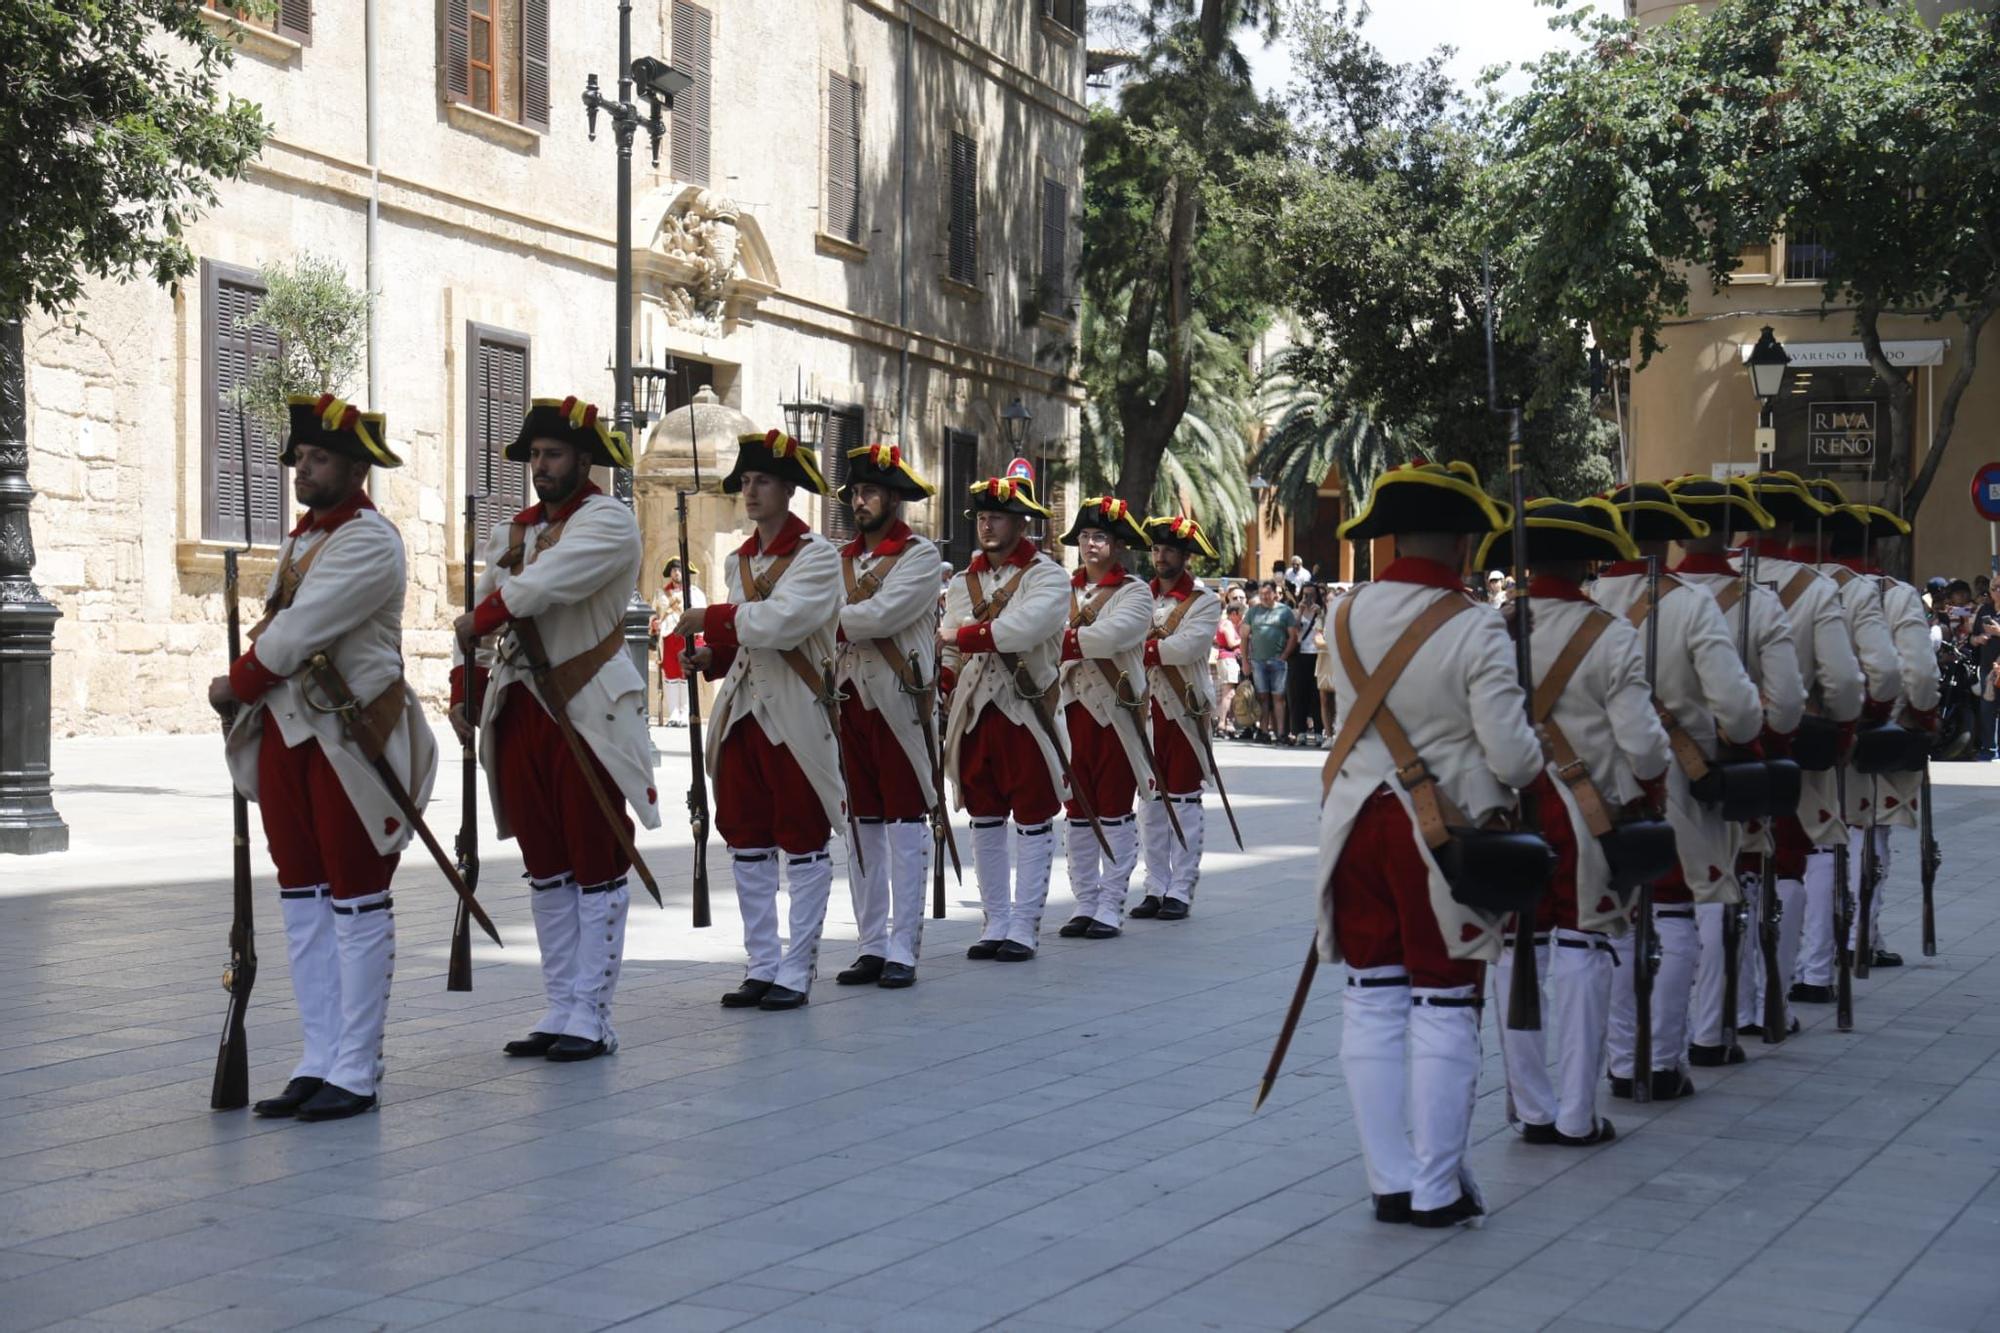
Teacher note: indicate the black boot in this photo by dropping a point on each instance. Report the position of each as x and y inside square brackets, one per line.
[1532, 1133]
[1098, 930]
[1448, 1216]
[782, 997]
[1392, 1207]
[333, 1102]
[571, 1050]
[296, 1094]
[1173, 909]
[1708, 1057]
[747, 996]
[1883, 958]
[1671, 1085]
[1148, 908]
[1621, 1088]
[867, 970]
[1010, 952]
[1074, 928]
[1802, 993]
[534, 1044]
[984, 949]
[1601, 1133]
[895, 976]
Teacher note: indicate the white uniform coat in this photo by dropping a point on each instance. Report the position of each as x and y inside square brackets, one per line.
[1462, 708]
[801, 612]
[904, 610]
[350, 606]
[1031, 625]
[1910, 631]
[1606, 712]
[576, 592]
[1701, 681]
[1117, 635]
[1187, 650]
[1881, 669]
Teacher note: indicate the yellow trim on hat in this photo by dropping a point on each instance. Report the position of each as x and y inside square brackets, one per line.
[1008, 490]
[889, 458]
[1620, 542]
[1868, 513]
[1457, 476]
[1186, 528]
[1738, 495]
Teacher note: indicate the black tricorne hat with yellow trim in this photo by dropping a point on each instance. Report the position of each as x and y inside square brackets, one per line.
[1725, 502]
[1006, 495]
[1785, 497]
[337, 427]
[1565, 530]
[883, 465]
[1426, 497]
[1181, 531]
[1853, 528]
[1825, 490]
[1108, 513]
[1649, 513]
[576, 423]
[775, 454]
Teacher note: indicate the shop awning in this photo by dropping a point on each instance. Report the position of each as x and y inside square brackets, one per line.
[1901, 352]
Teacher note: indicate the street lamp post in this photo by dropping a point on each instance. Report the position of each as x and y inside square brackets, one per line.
[658, 84]
[1767, 362]
[28, 819]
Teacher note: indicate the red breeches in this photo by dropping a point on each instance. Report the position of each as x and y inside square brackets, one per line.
[1001, 771]
[1098, 760]
[880, 782]
[1180, 766]
[762, 796]
[548, 804]
[1382, 901]
[314, 833]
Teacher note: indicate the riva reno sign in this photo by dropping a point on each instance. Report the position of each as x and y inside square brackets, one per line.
[1841, 434]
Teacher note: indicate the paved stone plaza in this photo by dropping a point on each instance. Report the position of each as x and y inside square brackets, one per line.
[1063, 1144]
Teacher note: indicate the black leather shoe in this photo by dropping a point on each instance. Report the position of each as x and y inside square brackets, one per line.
[1708, 1057]
[1010, 952]
[1392, 1207]
[1173, 909]
[1801, 993]
[1448, 1216]
[782, 997]
[333, 1102]
[867, 970]
[1750, 1030]
[1883, 958]
[569, 1050]
[1671, 1085]
[1538, 1133]
[747, 995]
[1148, 908]
[1621, 1088]
[534, 1044]
[984, 949]
[895, 976]
[1099, 931]
[1074, 928]
[296, 1094]
[1603, 1133]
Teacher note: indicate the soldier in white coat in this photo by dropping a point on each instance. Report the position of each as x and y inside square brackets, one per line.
[551, 616]
[1608, 754]
[335, 833]
[1415, 954]
[1788, 558]
[1707, 700]
[773, 748]
[1732, 513]
[1105, 710]
[888, 732]
[1000, 647]
[1185, 616]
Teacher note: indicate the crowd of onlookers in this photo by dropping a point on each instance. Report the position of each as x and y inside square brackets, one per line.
[1965, 622]
[1268, 649]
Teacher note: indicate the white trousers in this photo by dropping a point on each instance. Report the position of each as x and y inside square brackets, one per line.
[1014, 879]
[1671, 987]
[1791, 922]
[992, 870]
[809, 877]
[1750, 983]
[1172, 870]
[677, 703]
[1855, 837]
[1815, 948]
[364, 931]
[1085, 860]
[1575, 970]
[315, 966]
[557, 930]
[1705, 1009]
[601, 911]
[1410, 1058]
[889, 898]
[1114, 877]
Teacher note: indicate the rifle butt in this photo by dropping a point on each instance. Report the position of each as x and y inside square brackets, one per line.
[1775, 1018]
[1864, 908]
[458, 971]
[230, 1090]
[1642, 999]
[1732, 962]
[1524, 991]
[937, 877]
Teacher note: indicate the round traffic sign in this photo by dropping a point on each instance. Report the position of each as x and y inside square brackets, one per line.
[1021, 467]
[1986, 492]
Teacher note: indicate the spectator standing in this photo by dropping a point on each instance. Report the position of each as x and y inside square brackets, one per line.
[1986, 638]
[1228, 663]
[1496, 588]
[1302, 675]
[1274, 635]
[1298, 577]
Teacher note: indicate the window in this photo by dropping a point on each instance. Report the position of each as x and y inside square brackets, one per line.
[496, 57]
[230, 340]
[843, 158]
[1068, 13]
[1807, 257]
[496, 400]
[293, 19]
[961, 468]
[692, 32]
[963, 258]
[1054, 289]
[845, 428]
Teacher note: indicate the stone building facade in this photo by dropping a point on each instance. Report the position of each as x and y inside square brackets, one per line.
[870, 201]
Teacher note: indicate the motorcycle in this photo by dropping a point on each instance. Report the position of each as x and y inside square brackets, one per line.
[1958, 701]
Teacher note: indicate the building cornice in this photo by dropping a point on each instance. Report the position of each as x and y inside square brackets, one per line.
[1026, 83]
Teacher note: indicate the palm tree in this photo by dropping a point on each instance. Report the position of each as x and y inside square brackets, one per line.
[1310, 431]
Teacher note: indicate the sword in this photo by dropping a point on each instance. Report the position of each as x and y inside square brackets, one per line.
[830, 698]
[1200, 716]
[1040, 708]
[1120, 690]
[1291, 1023]
[340, 700]
[918, 693]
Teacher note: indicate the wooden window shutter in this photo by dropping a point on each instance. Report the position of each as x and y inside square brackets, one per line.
[963, 260]
[844, 426]
[1055, 247]
[843, 158]
[960, 466]
[456, 54]
[230, 344]
[496, 394]
[535, 63]
[295, 20]
[691, 108]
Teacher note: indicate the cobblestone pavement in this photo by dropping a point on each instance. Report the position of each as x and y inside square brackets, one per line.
[1065, 1144]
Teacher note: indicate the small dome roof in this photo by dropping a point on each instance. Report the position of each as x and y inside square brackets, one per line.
[716, 427]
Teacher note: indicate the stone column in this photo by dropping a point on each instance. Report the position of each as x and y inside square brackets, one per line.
[29, 823]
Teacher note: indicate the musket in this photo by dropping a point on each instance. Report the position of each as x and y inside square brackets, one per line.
[923, 698]
[231, 1088]
[1929, 858]
[1644, 944]
[1769, 910]
[697, 793]
[1200, 716]
[1040, 708]
[1299, 994]
[1843, 919]
[830, 698]
[339, 699]
[941, 818]
[458, 970]
[1122, 695]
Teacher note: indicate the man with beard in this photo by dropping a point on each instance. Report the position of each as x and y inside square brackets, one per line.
[888, 651]
[1001, 647]
[773, 751]
[1185, 615]
[557, 580]
[335, 832]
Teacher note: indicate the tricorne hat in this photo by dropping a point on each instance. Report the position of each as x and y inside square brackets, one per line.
[1107, 513]
[1426, 497]
[1565, 530]
[883, 465]
[1853, 528]
[338, 427]
[775, 454]
[1182, 531]
[1006, 495]
[1649, 513]
[1785, 496]
[1726, 502]
[576, 423]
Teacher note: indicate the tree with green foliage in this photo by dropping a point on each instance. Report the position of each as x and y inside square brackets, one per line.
[322, 329]
[1309, 433]
[1651, 155]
